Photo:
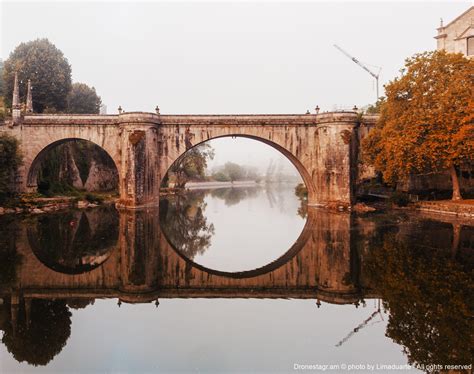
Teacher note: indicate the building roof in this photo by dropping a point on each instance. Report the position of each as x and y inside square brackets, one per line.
[457, 18]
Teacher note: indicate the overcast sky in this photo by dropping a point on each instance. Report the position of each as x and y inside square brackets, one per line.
[229, 57]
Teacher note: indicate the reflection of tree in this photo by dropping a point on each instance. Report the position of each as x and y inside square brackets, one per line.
[44, 337]
[74, 241]
[302, 193]
[182, 220]
[9, 257]
[79, 303]
[233, 196]
[430, 297]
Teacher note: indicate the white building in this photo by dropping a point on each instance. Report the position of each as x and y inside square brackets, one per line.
[458, 35]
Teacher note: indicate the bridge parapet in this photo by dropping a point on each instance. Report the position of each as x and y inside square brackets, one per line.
[69, 119]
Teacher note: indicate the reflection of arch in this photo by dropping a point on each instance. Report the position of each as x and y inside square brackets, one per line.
[307, 178]
[302, 240]
[32, 173]
[74, 242]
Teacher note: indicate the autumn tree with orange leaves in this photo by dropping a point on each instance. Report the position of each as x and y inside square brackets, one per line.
[426, 123]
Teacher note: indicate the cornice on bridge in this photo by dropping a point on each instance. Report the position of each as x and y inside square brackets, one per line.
[199, 119]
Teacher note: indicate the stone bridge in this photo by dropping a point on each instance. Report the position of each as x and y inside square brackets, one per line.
[323, 147]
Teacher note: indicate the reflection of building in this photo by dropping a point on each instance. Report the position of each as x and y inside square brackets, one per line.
[458, 35]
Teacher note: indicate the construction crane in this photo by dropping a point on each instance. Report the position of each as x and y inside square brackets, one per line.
[376, 76]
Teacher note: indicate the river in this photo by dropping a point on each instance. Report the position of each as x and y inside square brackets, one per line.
[244, 279]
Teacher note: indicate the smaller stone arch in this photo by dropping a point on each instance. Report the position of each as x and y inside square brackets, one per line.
[33, 168]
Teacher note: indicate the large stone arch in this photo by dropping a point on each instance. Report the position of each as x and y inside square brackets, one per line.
[305, 175]
[323, 151]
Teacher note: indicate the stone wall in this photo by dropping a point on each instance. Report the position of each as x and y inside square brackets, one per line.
[453, 37]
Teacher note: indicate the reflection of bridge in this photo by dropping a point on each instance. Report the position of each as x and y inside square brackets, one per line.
[327, 263]
[143, 267]
[323, 147]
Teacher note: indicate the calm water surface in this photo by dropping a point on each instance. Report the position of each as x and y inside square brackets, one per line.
[233, 280]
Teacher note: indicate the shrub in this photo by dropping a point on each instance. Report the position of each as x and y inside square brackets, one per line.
[10, 159]
[399, 198]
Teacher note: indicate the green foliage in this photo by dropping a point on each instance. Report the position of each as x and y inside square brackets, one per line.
[221, 176]
[93, 198]
[48, 69]
[375, 108]
[3, 113]
[234, 171]
[10, 159]
[2, 83]
[83, 99]
[191, 165]
[301, 191]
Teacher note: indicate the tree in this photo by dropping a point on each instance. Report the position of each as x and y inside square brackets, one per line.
[425, 125]
[2, 92]
[10, 159]
[83, 99]
[234, 171]
[48, 69]
[2, 84]
[375, 108]
[191, 165]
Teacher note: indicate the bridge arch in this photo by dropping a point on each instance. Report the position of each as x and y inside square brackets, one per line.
[34, 165]
[296, 162]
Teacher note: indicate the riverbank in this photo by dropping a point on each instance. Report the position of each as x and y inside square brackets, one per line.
[215, 184]
[34, 204]
[461, 208]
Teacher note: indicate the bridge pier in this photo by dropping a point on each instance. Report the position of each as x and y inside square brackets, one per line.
[139, 176]
[334, 167]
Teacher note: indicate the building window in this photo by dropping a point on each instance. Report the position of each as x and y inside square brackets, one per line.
[470, 46]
